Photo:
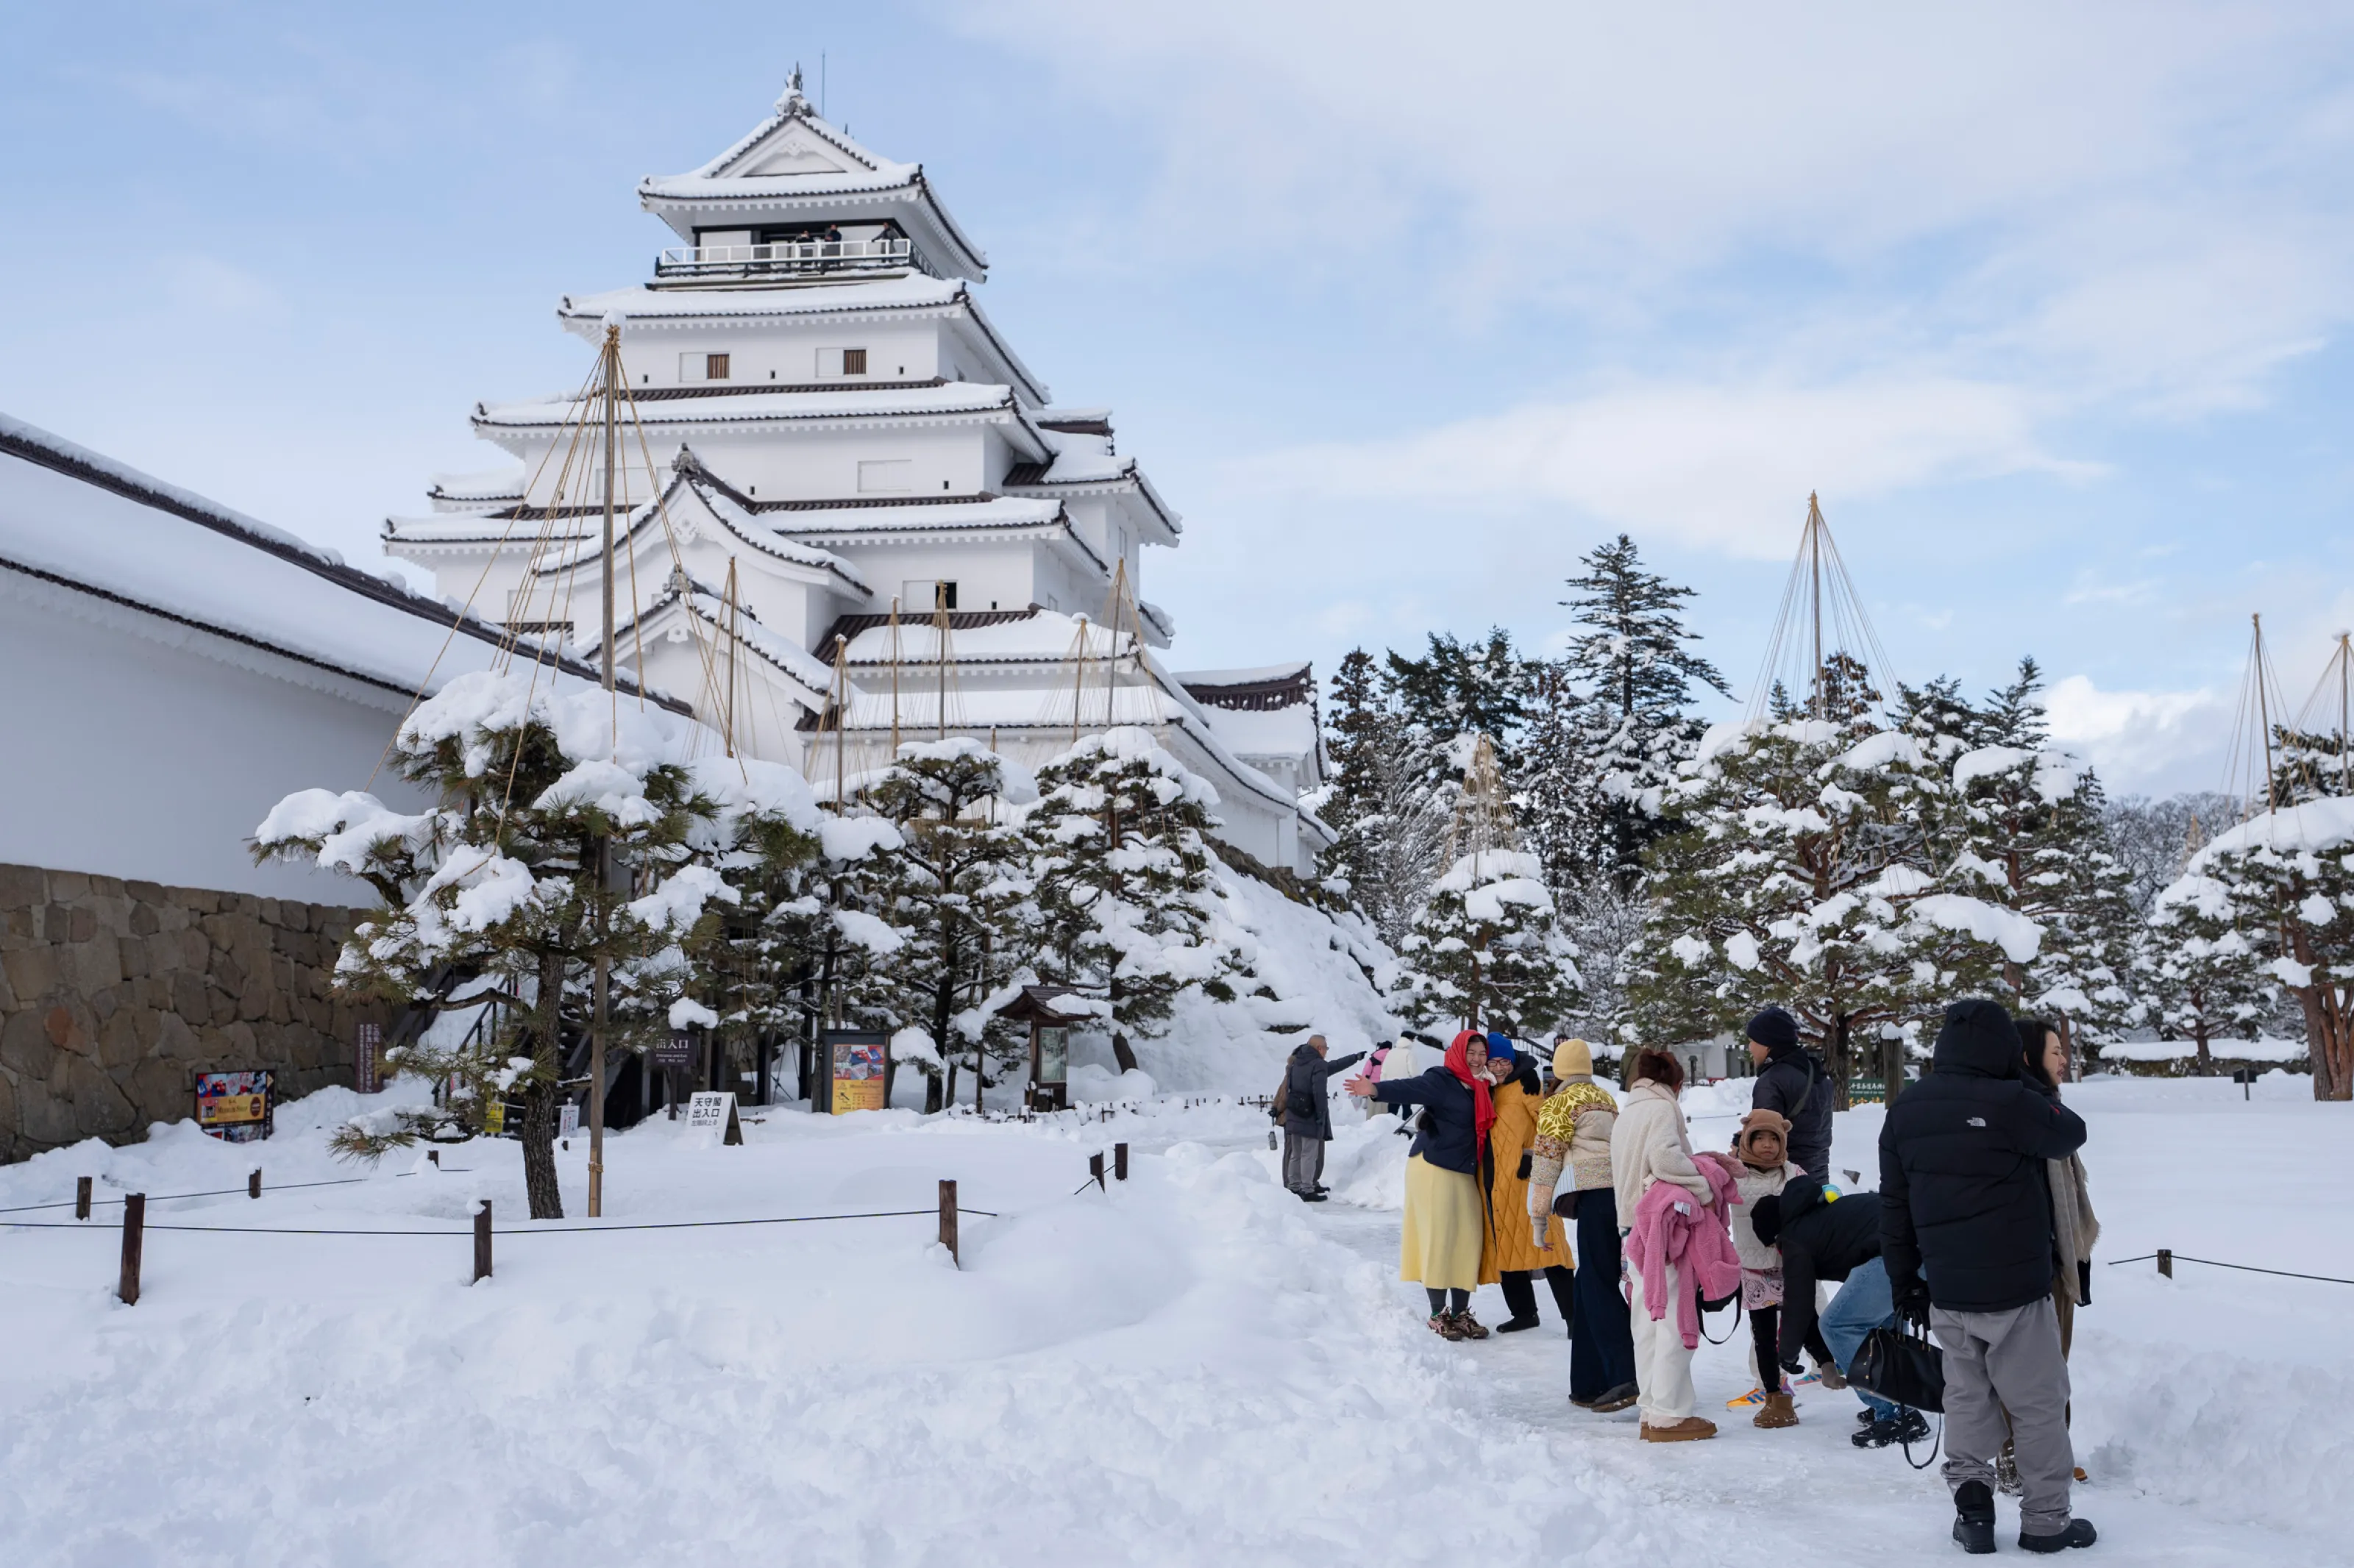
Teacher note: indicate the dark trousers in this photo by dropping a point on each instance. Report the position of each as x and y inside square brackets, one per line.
[1601, 1345]
[1520, 1292]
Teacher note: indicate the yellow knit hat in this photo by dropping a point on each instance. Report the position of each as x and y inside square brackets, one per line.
[1571, 1056]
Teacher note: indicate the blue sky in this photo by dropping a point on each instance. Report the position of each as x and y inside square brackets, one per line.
[1404, 307]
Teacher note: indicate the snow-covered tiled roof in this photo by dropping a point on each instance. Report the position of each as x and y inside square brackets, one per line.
[474, 491]
[796, 163]
[585, 315]
[85, 522]
[952, 401]
[708, 607]
[998, 511]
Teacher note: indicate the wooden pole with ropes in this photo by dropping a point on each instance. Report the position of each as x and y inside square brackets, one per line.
[604, 869]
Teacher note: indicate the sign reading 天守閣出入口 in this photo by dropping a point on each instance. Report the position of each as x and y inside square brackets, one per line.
[237, 1107]
[857, 1061]
[715, 1111]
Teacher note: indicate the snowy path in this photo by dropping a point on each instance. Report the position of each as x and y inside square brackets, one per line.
[1192, 1368]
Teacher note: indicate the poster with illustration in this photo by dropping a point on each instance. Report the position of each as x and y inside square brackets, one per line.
[237, 1107]
[857, 1059]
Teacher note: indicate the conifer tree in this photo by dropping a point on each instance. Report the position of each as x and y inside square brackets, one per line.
[1483, 951]
[2026, 830]
[1129, 904]
[1389, 818]
[1457, 690]
[1633, 663]
[1809, 878]
[2205, 976]
[954, 889]
[551, 813]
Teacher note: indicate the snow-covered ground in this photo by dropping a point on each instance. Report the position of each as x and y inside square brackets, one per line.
[1190, 1367]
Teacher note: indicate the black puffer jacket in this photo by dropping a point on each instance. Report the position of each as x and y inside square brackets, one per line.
[1963, 1193]
[1823, 1237]
[1795, 1086]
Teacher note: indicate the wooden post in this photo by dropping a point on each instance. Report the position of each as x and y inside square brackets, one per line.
[2165, 1261]
[81, 1197]
[1095, 1166]
[948, 1221]
[135, 1234]
[1119, 1161]
[435, 1156]
[482, 1242]
[253, 1185]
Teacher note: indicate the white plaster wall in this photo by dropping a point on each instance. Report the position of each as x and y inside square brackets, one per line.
[141, 749]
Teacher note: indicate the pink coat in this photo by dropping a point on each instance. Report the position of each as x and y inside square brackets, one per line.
[1673, 1230]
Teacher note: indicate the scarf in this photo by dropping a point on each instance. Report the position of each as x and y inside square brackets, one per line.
[1483, 1106]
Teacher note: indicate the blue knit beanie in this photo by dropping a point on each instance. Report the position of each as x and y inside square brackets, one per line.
[1500, 1046]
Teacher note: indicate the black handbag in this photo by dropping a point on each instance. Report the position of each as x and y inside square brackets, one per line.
[1900, 1367]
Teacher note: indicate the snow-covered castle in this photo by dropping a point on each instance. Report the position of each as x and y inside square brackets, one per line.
[831, 454]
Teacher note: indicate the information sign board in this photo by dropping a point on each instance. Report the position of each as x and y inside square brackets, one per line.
[856, 1063]
[237, 1107]
[715, 1111]
[367, 1059]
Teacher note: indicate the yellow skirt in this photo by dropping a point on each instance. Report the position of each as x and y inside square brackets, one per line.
[1445, 1245]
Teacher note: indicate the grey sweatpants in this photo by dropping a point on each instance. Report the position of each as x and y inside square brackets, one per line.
[1999, 1361]
[1303, 1160]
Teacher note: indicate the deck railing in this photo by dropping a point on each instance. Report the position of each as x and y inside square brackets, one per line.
[782, 256]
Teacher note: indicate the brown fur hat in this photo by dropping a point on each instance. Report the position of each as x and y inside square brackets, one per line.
[1764, 1140]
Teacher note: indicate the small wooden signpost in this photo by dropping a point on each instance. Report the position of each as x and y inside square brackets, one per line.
[1050, 1044]
[715, 1111]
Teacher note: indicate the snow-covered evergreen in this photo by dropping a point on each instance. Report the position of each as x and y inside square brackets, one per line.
[1129, 905]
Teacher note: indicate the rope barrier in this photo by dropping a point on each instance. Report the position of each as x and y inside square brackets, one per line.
[232, 1191]
[506, 1230]
[2243, 1267]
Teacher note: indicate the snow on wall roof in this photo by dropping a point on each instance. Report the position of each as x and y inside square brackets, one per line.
[90, 523]
[998, 511]
[1277, 732]
[1257, 675]
[496, 484]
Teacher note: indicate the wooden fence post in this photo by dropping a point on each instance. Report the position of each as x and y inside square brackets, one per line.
[134, 1234]
[482, 1243]
[1119, 1161]
[948, 1221]
[253, 1185]
[1095, 1166]
[2165, 1261]
[81, 1197]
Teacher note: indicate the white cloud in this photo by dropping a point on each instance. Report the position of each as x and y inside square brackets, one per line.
[1723, 467]
[2153, 742]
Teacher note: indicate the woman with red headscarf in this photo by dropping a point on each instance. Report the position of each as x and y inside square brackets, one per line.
[1448, 1244]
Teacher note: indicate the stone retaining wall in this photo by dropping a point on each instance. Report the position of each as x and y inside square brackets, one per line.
[114, 994]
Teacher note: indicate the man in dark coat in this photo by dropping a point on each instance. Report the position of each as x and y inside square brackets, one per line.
[1966, 1202]
[1791, 1084]
[1823, 1235]
[1307, 1114]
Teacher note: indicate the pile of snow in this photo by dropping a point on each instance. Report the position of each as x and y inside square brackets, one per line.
[2263, 1048]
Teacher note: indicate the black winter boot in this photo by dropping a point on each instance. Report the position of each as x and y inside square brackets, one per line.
[2080, 1532]
[1973, 1518]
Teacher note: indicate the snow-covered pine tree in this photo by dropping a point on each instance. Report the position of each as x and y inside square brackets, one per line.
[1457, 690]
[1130, 906]
[2289, 874]
[1388, 817]
[1483, 950]
[1633, 666]
[955, 890]
[1808, 878]
[2205, 978]
[549, 811]
[2026, 833]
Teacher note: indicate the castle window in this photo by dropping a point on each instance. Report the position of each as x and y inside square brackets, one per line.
[854, 362]
[715, 367]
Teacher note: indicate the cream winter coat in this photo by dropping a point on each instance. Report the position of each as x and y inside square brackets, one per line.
[1755, 1256]
[1650, 1144]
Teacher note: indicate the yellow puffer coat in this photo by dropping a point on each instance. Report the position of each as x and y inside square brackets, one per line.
[1515, 1129]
